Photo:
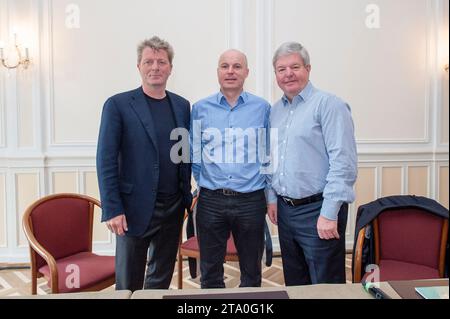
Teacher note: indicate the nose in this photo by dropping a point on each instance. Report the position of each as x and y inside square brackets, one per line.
[289, 72]
[154, 65]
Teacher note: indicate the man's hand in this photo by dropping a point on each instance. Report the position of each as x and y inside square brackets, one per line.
[327, 228]
[272, 212]
[118, 225]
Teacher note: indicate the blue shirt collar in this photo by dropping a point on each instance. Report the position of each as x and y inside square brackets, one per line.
[243, 98]
[304, 94]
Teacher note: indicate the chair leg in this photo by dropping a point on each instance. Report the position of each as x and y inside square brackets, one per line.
[33, 282]
[180, 271]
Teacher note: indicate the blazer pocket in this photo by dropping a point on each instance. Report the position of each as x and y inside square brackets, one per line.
[126, 188]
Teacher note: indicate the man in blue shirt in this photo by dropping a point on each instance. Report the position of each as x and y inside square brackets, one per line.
[228, 135]
[312, 182]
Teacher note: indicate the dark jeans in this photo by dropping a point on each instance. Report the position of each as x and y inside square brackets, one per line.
[243, 215]
[307, 259]
[159, 242]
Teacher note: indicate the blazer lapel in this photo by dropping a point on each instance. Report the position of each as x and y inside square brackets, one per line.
[140, 106]
[176, 111]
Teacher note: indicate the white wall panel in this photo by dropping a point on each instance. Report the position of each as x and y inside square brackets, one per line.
[27, 191]
[3, 220]
[382, 73]
[98, 59]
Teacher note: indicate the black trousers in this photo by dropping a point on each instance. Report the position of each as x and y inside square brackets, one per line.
[307, 259]
[244, 216]
[156, 248]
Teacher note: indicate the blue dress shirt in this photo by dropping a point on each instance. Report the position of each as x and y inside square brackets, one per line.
[228, 143]
[316, 149]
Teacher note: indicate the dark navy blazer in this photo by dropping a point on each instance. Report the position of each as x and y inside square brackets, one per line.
[128, 161]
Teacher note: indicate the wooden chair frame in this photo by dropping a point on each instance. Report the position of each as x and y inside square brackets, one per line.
[376, 233]
[37, 248]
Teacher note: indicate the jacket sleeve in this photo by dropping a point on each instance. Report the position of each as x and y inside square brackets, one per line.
[108, 149]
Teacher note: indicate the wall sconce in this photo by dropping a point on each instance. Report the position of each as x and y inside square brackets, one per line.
[24, 61]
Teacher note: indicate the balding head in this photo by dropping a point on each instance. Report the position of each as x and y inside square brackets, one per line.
[232, 71]
[234, 55]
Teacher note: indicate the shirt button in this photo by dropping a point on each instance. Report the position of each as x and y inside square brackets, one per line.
[282, 157]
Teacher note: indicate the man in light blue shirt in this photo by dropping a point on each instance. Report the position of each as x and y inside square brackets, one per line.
[228, 138]
[314, 173]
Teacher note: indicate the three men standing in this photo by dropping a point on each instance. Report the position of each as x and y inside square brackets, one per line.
[144, 192]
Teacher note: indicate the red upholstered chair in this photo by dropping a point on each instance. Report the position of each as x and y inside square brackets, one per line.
[190, 248]
[59, 230]
[409, 244]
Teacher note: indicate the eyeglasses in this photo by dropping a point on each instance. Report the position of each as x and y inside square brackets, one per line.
[295, 68]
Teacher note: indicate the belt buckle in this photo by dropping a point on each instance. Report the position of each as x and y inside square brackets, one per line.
[288, 201]
[228, 192]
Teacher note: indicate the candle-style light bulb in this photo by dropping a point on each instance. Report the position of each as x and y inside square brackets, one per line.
[2, 45]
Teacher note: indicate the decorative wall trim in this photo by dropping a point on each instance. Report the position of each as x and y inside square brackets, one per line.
[4, 30]
[236, 24]
[437, 174]
[48, 82]
[14, 212]
[264, 40]
[3, 205]
[2, 111]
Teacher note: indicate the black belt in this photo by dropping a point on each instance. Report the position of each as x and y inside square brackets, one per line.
[227, 192]
[302, 201]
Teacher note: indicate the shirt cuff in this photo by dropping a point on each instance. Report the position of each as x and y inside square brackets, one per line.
[330, 209]
[271, 196]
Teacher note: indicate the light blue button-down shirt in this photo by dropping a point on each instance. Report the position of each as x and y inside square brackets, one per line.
[316, 149]
[228, 143]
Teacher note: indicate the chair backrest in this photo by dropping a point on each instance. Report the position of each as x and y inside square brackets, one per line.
[410, 235]
[61, 224]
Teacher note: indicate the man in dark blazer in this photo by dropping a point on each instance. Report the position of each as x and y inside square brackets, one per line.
[145, 184]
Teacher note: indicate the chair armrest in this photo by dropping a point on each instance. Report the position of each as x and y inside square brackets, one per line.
[358, 256]
[39, 249]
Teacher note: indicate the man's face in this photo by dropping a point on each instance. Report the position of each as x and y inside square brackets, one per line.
[292, 75]
[232, 70]
[154, 67]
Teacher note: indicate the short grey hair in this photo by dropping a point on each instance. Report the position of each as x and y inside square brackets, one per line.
[291, 48]
[156, 44]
